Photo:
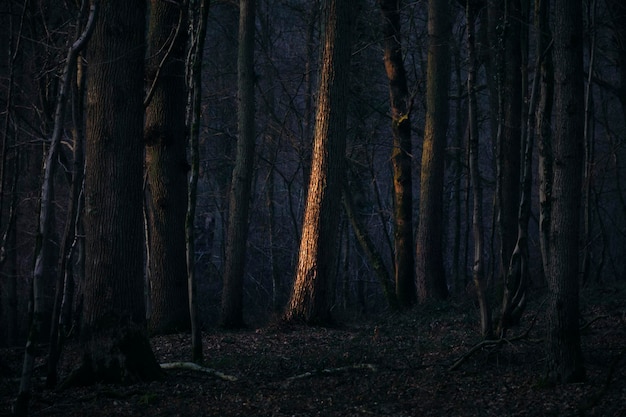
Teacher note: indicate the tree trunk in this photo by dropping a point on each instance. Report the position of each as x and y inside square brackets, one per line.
[400, 102]
[113, 335]
[509, 142]
[478, 271]
[564, 353]
[431, 278]
[44, 247]
[199, 10]
[313, 291]
[65, 277]
[166, 167]
[241, 184]
[516, 278]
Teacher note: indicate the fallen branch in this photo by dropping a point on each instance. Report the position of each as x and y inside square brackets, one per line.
[330, 371]
[190, 366]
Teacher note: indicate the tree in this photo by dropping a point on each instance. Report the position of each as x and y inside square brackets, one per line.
[199, 11]
[508, 160]
[478, 269]
[431, 279]
[565, 362]
[313, 288]
[240, 188]
[166, 167]
[43, 247]
[400, 102]
[113, 334]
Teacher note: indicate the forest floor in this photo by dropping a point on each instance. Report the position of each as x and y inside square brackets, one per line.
[387, 365]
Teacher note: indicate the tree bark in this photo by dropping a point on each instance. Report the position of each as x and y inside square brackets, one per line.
[400, 102]
[241, 184]
[313, 291]
[565, 362]
[113, 335]
[166, 167]
[431, 278]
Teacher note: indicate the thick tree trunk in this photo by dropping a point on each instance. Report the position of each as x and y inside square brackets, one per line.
[114, 338]
[313, 291]
[241, 184]
[166, 167]
[564, 353]
[431, 278]
[401, 154]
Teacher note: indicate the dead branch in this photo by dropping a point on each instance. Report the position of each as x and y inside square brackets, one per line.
[190, 366]
[330, 371]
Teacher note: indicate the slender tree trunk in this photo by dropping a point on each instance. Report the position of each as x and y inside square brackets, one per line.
[374, 257]
[113, 335]
[564, 353]
[65, 277]
[44, 249]
[313, 291]
[544, 139]
[431, 278]
[241, 184]
[517, 275]
[199, 10]
[401, 154]
[509, 143]
[478, 271]
[166, 167]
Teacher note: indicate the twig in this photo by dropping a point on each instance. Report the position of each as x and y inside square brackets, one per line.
[195, 367]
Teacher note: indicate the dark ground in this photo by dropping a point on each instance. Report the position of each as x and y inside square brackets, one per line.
[388, 365]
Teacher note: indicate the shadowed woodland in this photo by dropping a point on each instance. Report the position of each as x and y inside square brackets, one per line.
[278, 208]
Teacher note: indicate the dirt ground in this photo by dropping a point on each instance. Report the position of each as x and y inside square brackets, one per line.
[387, 365]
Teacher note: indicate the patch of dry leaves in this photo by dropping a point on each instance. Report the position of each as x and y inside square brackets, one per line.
[409, 356]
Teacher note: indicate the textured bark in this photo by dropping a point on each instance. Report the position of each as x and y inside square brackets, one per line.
[113, 334]
[431, 278]
[166, 167]
[400, 102]
[241, 184]
[313, 290]
[564, 352]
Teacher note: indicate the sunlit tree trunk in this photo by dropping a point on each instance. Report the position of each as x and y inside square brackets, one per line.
[239, 200]
[400, 102]
[113, 335]
[166, 166]
[313, 291]
[431, 278]
[564, 362]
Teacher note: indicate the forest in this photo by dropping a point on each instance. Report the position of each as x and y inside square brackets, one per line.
[312, 207]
